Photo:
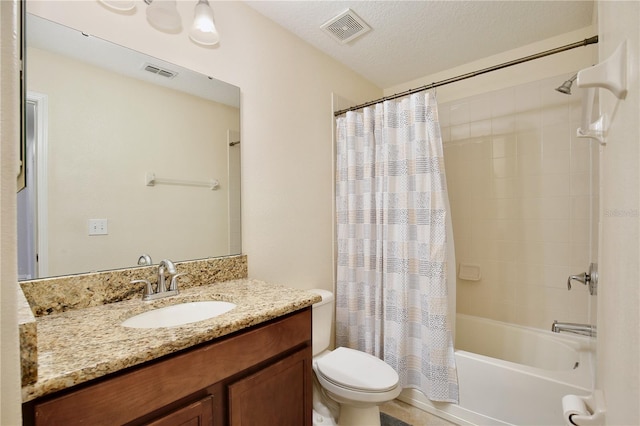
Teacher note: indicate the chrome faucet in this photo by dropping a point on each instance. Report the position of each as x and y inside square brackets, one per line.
[569, 327]
[166, 270]
[164, 267]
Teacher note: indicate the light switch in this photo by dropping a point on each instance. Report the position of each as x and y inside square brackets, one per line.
[98, 227]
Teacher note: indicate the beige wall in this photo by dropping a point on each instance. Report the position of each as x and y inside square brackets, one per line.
[286, 127]
[100, 147]
[522, 199]
[619, 299]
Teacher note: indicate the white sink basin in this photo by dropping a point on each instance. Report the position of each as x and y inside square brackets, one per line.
[181, 314]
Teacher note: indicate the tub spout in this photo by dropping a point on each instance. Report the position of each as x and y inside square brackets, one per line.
[569, 327]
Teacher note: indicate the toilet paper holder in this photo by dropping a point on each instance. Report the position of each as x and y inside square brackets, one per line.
[594, 404]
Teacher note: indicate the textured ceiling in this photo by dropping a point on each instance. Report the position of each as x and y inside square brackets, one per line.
[411, 39]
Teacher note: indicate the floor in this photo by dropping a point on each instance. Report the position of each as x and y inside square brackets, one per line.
[412, 415]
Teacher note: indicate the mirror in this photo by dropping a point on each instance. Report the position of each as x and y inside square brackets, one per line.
[127, 155]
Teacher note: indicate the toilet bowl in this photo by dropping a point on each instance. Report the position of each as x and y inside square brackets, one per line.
[358, 382]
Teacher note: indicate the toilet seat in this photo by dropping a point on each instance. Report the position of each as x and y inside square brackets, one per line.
[356, 371]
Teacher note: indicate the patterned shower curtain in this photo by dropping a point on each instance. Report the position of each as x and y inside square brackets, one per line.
[391, 206]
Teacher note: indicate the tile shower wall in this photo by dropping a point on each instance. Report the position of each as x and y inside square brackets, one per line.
[523, 193]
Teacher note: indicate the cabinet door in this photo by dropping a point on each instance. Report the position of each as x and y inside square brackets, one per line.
[199, 413]
[279, 394]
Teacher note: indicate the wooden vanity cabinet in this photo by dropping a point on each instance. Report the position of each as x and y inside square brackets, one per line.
[258, 376]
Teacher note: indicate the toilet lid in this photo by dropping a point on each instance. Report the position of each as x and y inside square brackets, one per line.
[357, 370]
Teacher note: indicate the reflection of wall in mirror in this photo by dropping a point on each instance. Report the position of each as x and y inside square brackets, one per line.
[99, 153]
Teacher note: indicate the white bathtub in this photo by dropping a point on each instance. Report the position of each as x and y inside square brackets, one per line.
[513, 375]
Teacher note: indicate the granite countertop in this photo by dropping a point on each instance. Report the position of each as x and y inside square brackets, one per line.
[83, 344]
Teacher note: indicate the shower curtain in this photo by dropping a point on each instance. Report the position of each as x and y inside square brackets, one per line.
[391, 207]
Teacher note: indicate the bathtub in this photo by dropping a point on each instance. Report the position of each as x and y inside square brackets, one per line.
[512, 375]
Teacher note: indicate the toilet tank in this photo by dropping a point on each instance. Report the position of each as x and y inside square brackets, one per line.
[321, 318]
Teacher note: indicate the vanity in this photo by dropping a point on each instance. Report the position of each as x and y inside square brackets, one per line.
[248, 366]
[80, 364]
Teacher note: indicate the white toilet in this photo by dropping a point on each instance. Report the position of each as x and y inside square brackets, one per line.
[355, 380]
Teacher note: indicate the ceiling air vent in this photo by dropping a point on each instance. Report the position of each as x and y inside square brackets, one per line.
[160, 71]
[345, 27]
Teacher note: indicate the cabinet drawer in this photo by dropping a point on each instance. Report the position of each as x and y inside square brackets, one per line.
[200, 413]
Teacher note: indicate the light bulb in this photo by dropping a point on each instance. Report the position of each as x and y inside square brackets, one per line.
[119, 5]
[203, 31]
[163, 15]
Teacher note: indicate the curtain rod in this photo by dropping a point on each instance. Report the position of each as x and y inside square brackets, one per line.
[585, 42]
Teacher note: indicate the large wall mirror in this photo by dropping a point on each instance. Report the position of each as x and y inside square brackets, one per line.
[102, 122]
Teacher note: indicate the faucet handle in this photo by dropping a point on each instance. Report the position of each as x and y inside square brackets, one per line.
[583, 278]
[173, 286]
[148, 289]
[587, 278]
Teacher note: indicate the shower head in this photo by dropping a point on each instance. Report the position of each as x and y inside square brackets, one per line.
[566, 86]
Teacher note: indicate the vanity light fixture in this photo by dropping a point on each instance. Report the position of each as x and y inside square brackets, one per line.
[163, 15]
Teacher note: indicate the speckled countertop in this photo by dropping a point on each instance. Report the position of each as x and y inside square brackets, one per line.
[83, 344]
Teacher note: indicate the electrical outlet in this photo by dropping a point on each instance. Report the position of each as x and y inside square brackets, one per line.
[98, 227]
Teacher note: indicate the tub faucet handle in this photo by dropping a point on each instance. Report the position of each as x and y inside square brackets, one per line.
[587, 278]
[583, 278]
